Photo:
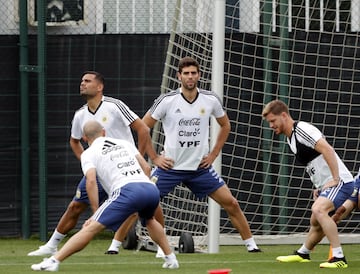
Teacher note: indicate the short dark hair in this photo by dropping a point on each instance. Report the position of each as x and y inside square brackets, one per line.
[187, 62]
[98, 75]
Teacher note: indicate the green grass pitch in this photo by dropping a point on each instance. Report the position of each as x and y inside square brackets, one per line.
[14, 260]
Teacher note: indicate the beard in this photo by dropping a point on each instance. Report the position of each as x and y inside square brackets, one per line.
[190, 86]
[84, 96]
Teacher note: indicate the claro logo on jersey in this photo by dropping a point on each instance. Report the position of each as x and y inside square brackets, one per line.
[126, 164]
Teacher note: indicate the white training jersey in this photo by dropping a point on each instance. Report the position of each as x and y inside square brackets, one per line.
[113, 114]
[186, 125]
[302, 143]
[115, 163]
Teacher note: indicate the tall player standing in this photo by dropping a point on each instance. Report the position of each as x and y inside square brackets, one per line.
[185, 115]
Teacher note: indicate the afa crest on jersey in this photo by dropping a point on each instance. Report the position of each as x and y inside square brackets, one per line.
[355, 192]
[78, 193]
[154, 179]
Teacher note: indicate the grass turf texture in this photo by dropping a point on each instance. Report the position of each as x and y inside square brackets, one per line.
[14, 259]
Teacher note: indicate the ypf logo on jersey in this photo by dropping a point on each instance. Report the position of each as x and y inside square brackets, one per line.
[189, 143]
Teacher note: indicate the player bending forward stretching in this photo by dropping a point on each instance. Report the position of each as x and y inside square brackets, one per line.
[123, 173]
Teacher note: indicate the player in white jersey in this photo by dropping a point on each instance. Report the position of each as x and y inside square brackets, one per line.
[113, 114]
[118, 120]
[185, 115]
[124, 175]
[332, 180]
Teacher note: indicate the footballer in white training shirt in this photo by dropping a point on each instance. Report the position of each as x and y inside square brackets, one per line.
[317, 169]
[106, 154]
[186, 125]
[112, 114]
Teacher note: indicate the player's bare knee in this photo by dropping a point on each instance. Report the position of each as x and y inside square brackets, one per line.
[319, 212]
[232, 206]
[76, 208]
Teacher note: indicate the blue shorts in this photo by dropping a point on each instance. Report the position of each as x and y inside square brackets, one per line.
[354, 197]
[201, 182]
[81, 195]
[133, 197]
[338, 194]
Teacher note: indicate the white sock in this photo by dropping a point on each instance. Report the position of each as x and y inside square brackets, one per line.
[338, 252]
[171, 256]
[303, 250]
[250, 244]
[159, 250]
[115, 245]
[55, 260]
[55, 239]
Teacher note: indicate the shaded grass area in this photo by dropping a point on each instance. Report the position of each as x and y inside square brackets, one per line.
[14, 259]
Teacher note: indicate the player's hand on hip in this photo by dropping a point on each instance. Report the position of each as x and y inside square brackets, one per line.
[206, 161]
[331, 183]
[316, 193]
[163, 162]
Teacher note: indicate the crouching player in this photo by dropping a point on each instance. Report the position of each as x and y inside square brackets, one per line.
[123, 173]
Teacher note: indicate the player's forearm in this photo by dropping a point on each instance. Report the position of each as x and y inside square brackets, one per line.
[77, 148]
[329, 154]
[220, 141]
[331, 159]
[92, 191]
[146, 147]
[143, 133]
[334, 168]
[150, 151]
[144, 165]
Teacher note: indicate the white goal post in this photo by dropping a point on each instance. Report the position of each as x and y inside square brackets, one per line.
[303, 53]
